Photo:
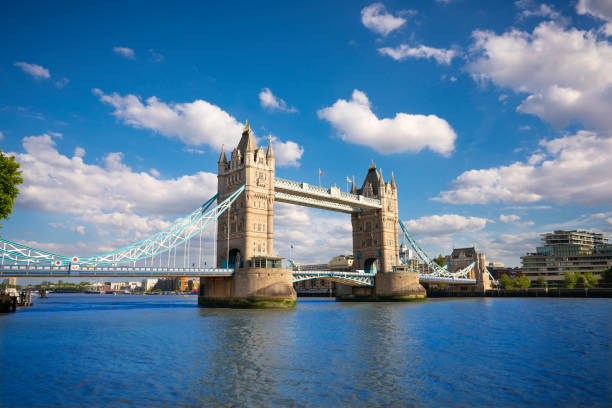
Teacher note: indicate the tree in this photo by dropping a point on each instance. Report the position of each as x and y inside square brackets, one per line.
[606, 277]
[570, 280]
[522, 282]
[542, 282]
[591, 281]
[10, 178]
[505, 282]
[440, 260]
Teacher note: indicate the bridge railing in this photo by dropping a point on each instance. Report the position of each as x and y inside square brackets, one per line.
[326, 193]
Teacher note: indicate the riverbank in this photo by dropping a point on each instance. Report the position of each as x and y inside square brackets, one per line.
[531, 292]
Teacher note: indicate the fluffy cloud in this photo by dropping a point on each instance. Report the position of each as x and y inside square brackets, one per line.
[317, 235]
[356, 123]
[441, 55]
[124, 52]
[569, 169]
[445, 224]
[37, 71]
[566, 72]
[109, 196]
[509, 218]
[193, 123]
[376, 18]
[601, 9]
[269, 101]
[508, 248]
[287, 153]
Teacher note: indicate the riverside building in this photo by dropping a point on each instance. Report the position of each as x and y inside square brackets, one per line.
[568, 251]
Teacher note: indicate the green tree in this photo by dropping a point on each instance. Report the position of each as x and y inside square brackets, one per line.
[505, 282]
[542, 282]
[522, 282]
[591, 281]
[10, 178]
[440, 260]
[570, 280]
[606, 277]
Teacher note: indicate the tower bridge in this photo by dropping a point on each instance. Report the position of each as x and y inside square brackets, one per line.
[247, 273]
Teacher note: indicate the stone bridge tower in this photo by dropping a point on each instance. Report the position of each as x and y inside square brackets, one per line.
[248, 228]
[375, 244]
[375, 232]
[251, 217]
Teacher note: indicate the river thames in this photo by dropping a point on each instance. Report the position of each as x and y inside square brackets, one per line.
[104, 350]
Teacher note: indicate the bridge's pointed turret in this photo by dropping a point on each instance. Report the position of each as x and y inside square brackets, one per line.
[247, 141]
[353, 188]
[393, 181]
[222, 158]
[269, 152]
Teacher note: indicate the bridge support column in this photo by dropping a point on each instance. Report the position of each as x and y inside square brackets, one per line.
[399, 286]
[483, 280]
[250, 288]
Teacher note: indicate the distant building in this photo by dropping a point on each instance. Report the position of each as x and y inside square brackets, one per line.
[405, 253]
[461, 258]
[496, 265]
[180, 284]
[568, 251]
[341, 263]
[148, 283]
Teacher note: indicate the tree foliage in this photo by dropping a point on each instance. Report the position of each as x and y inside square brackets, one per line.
[522, 282]
[10, 178]
[606, 277]
[440, 260]
[542, 282]
[505, 282]
[570, 280]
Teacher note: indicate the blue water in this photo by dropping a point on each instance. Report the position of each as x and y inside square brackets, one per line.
[103, 350]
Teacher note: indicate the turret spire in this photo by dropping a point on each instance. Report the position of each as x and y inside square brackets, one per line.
[270, 152]
[222, 158]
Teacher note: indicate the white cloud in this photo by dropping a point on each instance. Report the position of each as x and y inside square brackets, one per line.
[356, 123]
[193, 123]
[445, 224]
[61, 83]
[403, 51]
[267, 100]
[156, 56]
[509, 218]
[574, 169]
[287, 153]
[376, 18]
[37, 71]
[124, 52]
[508, 248]
[601, 9]
[155, 173]
[317, 235]
[79, 152]
[56, 183]
[532, 9]
[565, 72]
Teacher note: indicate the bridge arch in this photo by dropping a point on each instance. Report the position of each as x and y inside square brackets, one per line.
[235, 259]
[370, 265]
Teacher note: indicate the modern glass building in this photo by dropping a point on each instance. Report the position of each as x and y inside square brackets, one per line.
[568, 251]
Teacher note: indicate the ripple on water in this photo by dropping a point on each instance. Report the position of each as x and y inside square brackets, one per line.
[99, 350]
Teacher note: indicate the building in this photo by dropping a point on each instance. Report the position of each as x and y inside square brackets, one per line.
[148, 283]
[341, 263]
[461, 258]
[568, 251]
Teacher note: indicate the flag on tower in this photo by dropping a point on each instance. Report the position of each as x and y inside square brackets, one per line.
[348, 180]
[320, 172]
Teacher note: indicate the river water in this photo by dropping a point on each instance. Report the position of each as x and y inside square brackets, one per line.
[104, 350]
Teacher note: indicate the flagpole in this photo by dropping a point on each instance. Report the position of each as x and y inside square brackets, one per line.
[319, 177]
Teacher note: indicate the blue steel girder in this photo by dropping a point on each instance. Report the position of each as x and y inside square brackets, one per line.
[108, 271]
[347, 278]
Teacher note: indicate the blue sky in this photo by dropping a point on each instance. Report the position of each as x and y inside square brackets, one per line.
[493, 116]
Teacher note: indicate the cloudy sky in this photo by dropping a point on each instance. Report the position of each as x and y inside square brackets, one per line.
[495, 117]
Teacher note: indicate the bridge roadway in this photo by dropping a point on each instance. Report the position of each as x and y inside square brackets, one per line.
[357, 278]
[293, 192]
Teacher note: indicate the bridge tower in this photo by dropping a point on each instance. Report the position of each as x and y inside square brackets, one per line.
[375, 242]
[245, 233]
